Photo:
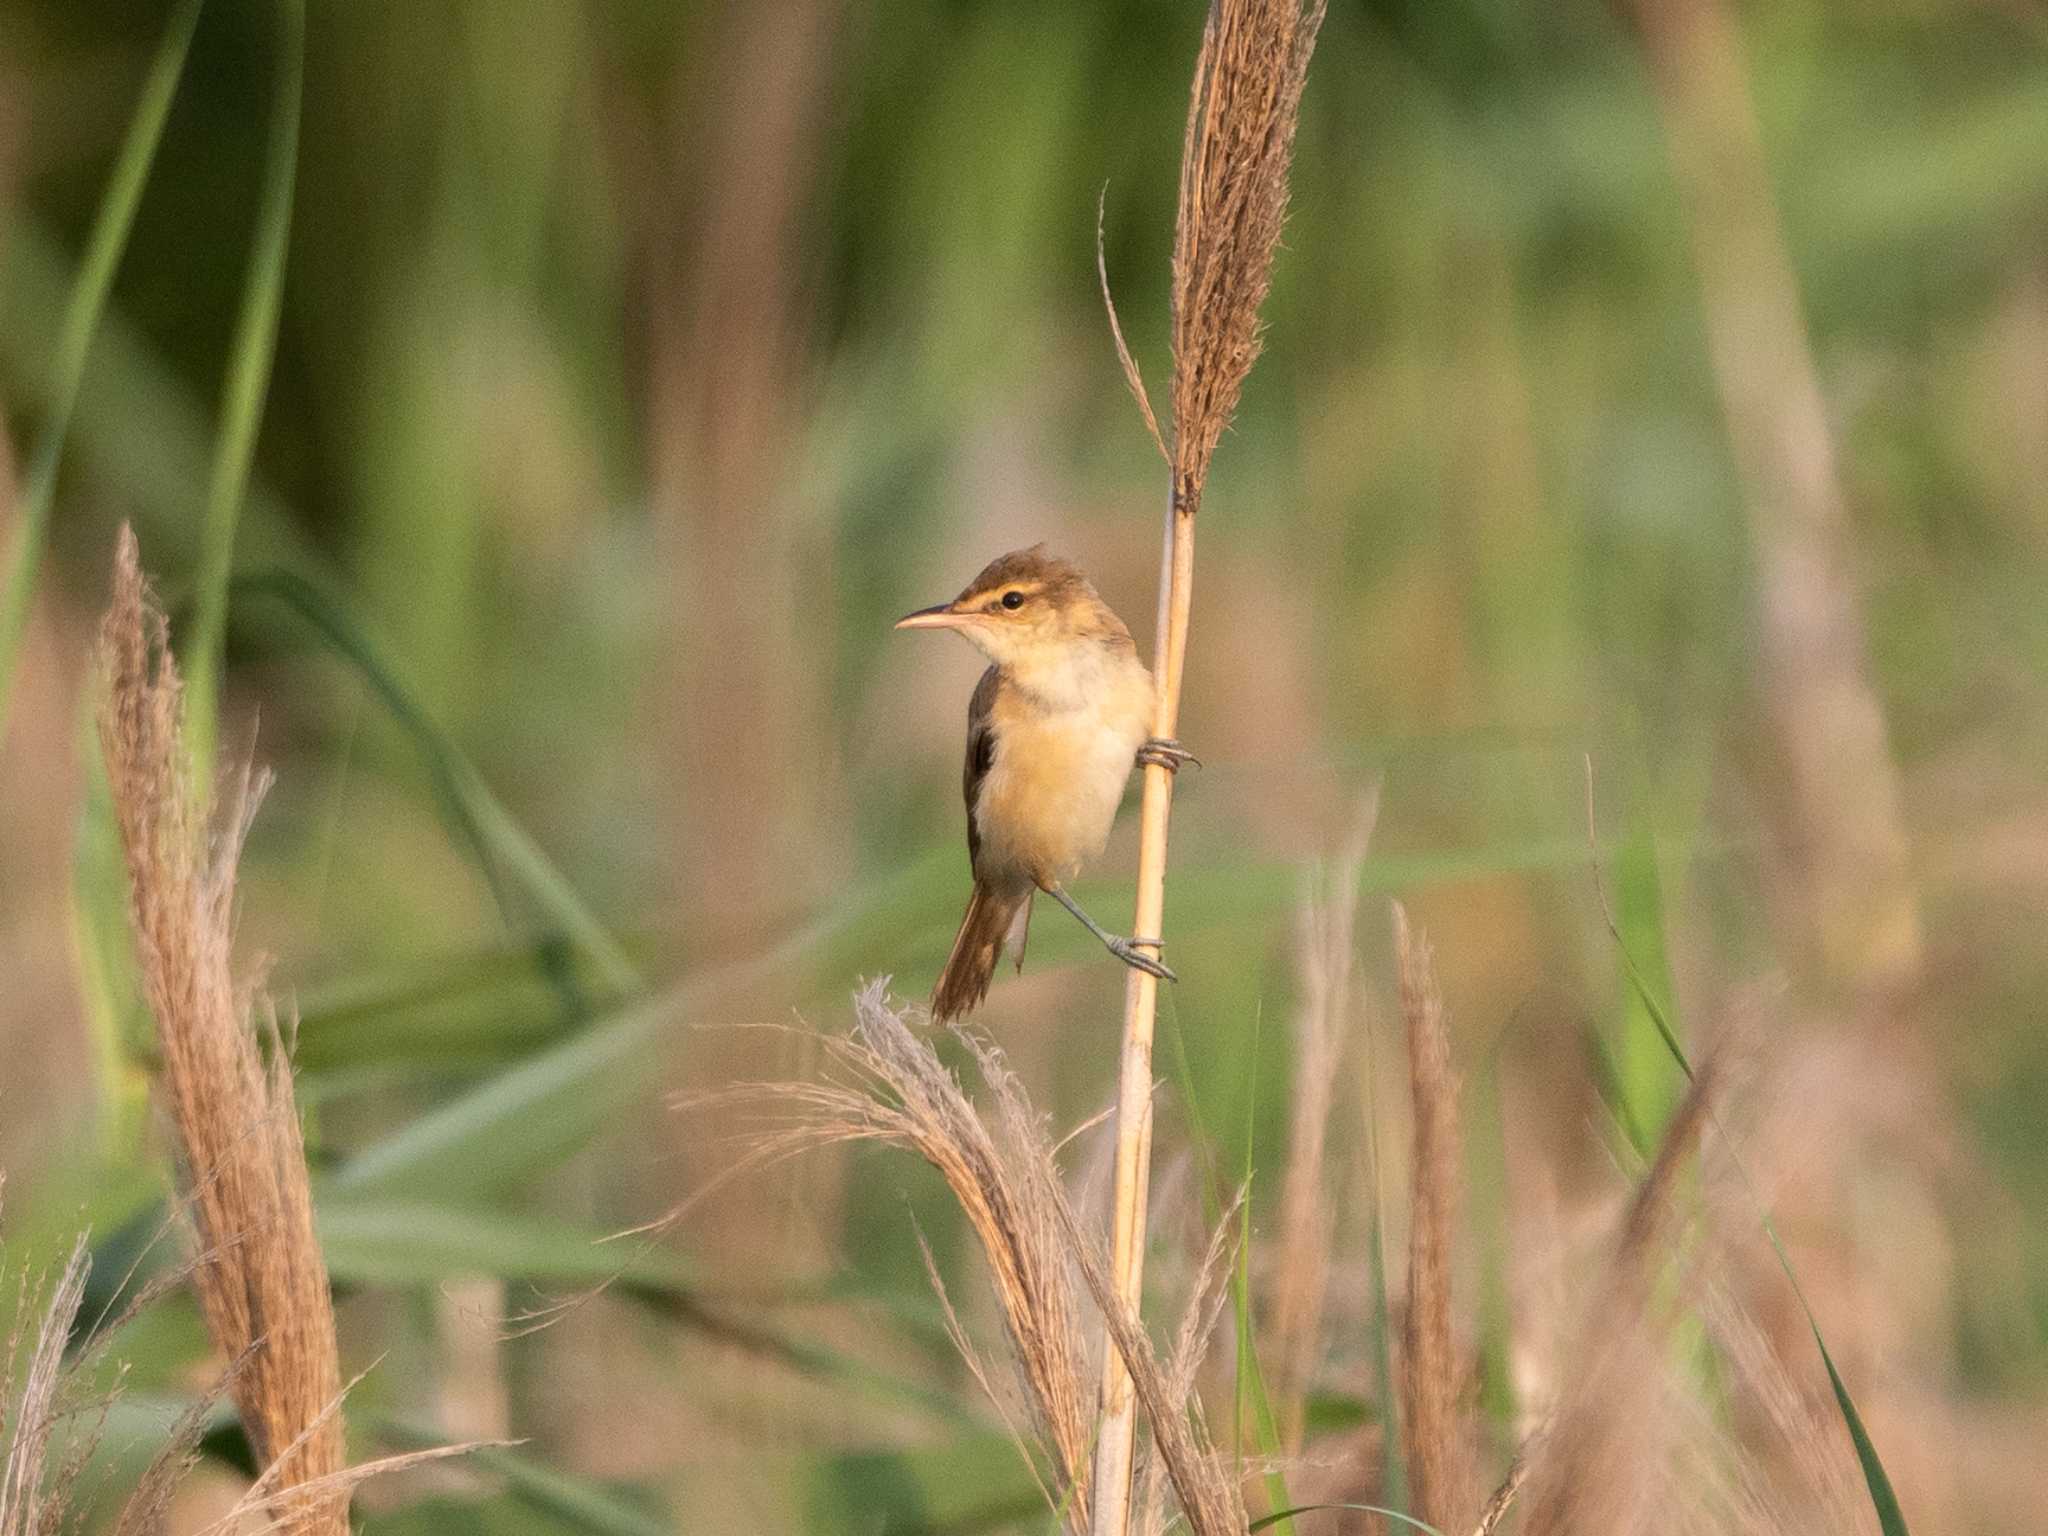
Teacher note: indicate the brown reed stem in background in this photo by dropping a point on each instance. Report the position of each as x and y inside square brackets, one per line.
[262, 1284]
[1440, 1461]
[1851, 885]
[1242, 110]
[1325, 920]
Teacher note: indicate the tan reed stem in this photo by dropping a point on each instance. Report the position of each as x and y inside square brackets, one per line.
[1242, 110]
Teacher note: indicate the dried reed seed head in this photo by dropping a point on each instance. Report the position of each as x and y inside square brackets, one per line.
[998, 1161]
[1594, 1468]
[893, 1088]
[1242, 112]
[262, 1283]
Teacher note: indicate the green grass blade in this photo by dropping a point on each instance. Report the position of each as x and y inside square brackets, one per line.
[1890, 1519]
[1251, 1378]
[242, 394]
[580, 1502]
[1876, 1481]
[108, 240]
[501, 845]
[402, 1241]
[1381, 1510]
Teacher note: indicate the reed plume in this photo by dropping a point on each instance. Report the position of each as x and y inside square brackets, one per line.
[1243, 106]
[885, 1084]
[262, 1283]
[51, 1427]
[1590, 1466]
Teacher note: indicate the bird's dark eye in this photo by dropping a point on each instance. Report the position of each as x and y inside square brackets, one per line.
[1013, 599]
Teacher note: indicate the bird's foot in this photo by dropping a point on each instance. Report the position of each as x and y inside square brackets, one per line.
[1164, 752]
[1127, 951]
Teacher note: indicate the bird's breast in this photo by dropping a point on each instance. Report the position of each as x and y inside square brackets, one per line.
[1056, 778]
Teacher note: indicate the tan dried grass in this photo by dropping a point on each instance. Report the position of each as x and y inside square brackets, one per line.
[884, 1083]
[262, 1283]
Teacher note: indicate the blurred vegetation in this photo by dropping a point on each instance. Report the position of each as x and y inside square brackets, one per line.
[636, 364]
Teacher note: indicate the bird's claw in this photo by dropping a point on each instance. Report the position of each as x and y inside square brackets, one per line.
[1127, 951]
[1164, 752]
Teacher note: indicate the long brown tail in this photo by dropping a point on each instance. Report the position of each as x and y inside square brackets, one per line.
[992, 916]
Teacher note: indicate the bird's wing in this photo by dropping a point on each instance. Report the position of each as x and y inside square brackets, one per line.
[981, 751]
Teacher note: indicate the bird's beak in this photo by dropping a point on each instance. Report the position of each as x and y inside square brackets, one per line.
[944, 616]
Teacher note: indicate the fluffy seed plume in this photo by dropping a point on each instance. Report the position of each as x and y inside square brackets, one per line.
[885, 1084]
[1591, 1469]
[1242, 112]
[262, 1284]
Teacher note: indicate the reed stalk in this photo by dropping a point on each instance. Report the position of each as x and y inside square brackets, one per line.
[1242, 110]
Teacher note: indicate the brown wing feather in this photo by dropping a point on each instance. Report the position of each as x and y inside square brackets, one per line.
[993, 916]
[981, 751]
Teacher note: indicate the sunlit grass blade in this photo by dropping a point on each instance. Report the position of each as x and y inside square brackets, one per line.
[109, 238]
[244, 390]
[501, 845]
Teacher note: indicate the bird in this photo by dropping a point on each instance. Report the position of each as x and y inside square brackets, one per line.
[1054, 728]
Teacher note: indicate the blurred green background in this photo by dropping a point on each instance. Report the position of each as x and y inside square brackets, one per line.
[638, 363]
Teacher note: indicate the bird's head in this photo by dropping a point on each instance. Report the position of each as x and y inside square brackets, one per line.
[1026, 606]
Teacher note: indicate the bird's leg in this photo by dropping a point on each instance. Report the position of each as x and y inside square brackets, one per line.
[1165, 752]
[1125, 950]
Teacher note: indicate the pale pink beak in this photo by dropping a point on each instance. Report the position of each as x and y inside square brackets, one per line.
[943, 616]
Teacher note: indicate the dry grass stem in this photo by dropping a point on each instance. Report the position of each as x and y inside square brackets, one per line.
[262, 1284]
[1134, 379]
[1502, 1499]
[1432, 1377]
[1243, 106]
[1325, 921]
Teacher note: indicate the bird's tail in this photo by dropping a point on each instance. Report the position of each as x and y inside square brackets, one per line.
[993, 916]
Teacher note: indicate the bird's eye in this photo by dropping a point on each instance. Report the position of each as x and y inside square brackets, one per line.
[1013, 600]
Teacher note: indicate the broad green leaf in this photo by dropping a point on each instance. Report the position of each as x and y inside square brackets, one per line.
[397, 1241]
[528, 1117]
